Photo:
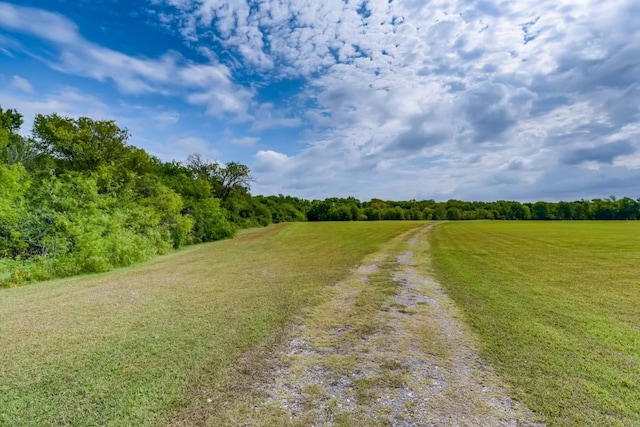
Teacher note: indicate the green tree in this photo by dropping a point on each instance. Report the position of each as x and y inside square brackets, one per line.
[454, 214]
[80, 144]
[165, 206]
[564, 211]
[439, 212]
[224, 179]
[14, 148]
[209, 219]
[628, 208]
[14, 183]
[540, 210]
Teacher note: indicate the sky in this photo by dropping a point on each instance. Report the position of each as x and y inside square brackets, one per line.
[396, 99]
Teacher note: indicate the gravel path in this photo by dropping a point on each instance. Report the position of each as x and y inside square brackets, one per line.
[411, 362]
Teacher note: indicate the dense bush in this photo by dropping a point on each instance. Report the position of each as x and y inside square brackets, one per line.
[76, 198]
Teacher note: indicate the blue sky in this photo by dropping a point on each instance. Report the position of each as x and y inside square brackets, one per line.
[397, 99]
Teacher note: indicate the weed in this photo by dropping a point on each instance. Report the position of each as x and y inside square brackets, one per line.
[341, 364]
[366, 390]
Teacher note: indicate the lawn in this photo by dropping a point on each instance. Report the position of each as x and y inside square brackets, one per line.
[139, 345]
[557, 309]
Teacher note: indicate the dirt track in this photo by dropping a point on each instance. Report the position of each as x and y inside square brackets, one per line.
[407, 361]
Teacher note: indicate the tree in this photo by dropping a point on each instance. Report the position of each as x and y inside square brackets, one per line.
[210, 222]
[540, 210]
[604, 209]
[628, 208]
[439, 213]
[10, 120]
[453, 214]
[233, 176]
[564, 211]
[80, 144]
[14, 184]
[14, 148]
[224, 179]
[519, 211]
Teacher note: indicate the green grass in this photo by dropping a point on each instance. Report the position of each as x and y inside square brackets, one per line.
[557, 307]
[139, 345]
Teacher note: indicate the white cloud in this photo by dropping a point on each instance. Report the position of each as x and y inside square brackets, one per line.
[247, 141]
[267, 116]
[447, 98]
[192, 145]
[66, 101]
[412, 81]
[165, 118]
[268, 161]
[21, 84]
[208, 84]
[30, 20]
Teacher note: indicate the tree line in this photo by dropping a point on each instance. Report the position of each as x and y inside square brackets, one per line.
[351, 209]
[76, 197]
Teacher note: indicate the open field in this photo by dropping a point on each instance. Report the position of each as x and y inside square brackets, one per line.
[557, 308]
[139, 345]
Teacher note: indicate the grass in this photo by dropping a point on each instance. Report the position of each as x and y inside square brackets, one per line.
[140, 345]
[557, 308]
[341, 364]
[336, 332]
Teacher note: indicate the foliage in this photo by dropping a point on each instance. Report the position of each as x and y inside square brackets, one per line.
[14, 183]
[224, 179]
[80, 144]
[76, 198]
[350, 209]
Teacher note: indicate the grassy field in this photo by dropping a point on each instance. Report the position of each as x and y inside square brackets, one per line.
[557, 307]
[139, 345]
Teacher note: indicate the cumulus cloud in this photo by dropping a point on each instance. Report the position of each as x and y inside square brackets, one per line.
[398, 99]
[267, 161]
[545, 83]
[488, 112]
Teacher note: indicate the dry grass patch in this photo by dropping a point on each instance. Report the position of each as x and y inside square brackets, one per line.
[341, 364]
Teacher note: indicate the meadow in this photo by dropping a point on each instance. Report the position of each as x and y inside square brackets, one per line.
[555, 305]
[139, 345]
[557, 309]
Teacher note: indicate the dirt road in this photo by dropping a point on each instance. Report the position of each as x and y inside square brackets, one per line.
[386, 348]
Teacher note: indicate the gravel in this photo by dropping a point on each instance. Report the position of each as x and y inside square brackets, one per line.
[394, 376]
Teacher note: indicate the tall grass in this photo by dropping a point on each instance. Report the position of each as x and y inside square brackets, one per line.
[133, 346]
[557, 306]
